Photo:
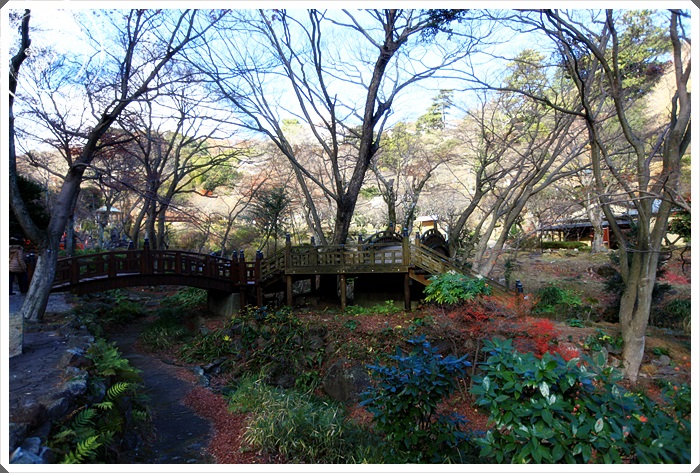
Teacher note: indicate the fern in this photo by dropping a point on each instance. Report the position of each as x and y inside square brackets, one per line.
[117, 390]
[83, 450]
[139, 415]
[104, 406]
[108, 360]
[83, 424]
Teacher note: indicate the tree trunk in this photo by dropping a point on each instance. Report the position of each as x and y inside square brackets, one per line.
[38, 294]
[596, 219]
[635, 307]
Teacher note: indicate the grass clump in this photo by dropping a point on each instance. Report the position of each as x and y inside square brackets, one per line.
[298, 426]
[187, 299]
[167, 331]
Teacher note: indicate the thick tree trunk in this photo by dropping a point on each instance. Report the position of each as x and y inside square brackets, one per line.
[38, 295]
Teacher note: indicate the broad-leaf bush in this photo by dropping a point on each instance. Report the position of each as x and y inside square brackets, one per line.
[553, 411]
[404, 403]
[452, 288]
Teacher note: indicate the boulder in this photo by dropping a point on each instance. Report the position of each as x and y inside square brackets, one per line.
[606, 271]
[344, 381]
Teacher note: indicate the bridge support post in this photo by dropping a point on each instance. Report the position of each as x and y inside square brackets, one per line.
[343, 291]
[407, 292]
[256, 277]
[288, 290]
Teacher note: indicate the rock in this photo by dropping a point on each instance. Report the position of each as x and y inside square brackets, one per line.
[281, 374]
[47, 455]
[606, 271]
[17, 431]
[612, 350]
[345, 381]
[283, 380]
[32, 444]
[30, 412]
[58, 408]
[664, 360]
[74, 357]
[77, 386]
[315, 343]
[22, 457]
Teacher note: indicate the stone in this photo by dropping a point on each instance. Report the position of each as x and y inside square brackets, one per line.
[606, 271]
[74, 357]
[344, 381]
[23, 457]
[59, 407]
[664, 360]
[47, 455]
[17, 431]
[32, 444]
[30, 412]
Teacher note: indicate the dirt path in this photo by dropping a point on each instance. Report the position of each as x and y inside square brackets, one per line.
[180, 435]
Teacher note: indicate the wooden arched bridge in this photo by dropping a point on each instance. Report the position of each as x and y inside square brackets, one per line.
[383, 254]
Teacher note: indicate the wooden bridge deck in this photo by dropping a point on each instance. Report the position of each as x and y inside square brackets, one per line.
[119, 269]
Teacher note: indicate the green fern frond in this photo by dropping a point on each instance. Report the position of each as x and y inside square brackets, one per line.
[63, 435]
[83, 419]
[117, 390]
[141, 416]
[105, 406]
[85, 449]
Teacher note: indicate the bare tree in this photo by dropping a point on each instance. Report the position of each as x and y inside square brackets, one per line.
[404, 165]
[146, 42]
[589, 44]
[517, 148]
[177, 138]
[294, 58]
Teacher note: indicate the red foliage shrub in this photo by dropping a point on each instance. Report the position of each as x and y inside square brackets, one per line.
[673, 278]
[529, 334]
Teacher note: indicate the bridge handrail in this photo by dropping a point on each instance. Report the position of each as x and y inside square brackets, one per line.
[434, 262]
[72, 270]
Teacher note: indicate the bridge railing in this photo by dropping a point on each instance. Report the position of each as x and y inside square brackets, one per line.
[122, 263]
[348, 258]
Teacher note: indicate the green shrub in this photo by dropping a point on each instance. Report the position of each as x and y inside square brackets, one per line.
[187, 299]
[671, 315]
[553, 300]
[298, 426]
[165, 332]
[551, 411]
[404, 404]
[599, 339]
[453, 288]
[563, 245]
[208, 347]
[277, 342]
[385, 308]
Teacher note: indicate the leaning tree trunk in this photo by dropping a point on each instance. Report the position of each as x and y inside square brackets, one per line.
[38, 294]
